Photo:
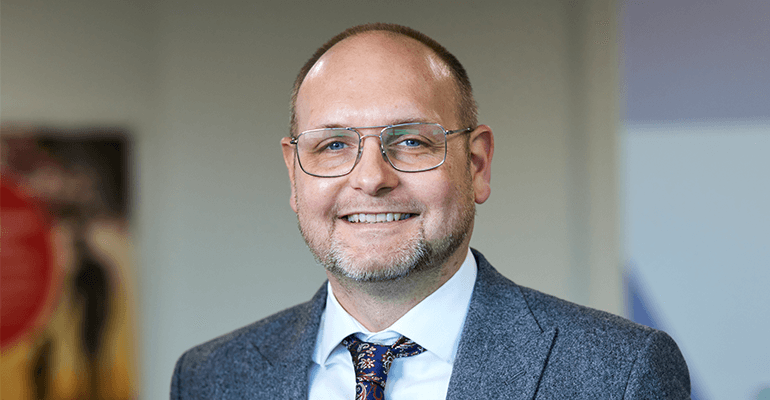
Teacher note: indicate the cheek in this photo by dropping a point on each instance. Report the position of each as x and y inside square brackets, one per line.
[457, 192]
[316, 196]
[444, 195]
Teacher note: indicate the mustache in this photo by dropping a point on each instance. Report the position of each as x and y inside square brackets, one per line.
[351, 205]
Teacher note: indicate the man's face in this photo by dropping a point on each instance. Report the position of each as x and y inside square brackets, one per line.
[373, 80]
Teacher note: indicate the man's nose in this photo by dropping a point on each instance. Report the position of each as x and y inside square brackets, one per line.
[373, 174]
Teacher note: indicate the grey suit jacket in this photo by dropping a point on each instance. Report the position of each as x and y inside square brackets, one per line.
[517, 343]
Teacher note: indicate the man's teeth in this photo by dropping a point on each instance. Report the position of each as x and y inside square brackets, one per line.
[383, 217]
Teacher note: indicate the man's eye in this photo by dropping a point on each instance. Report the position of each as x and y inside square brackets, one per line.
[411, 143]
[336, 146]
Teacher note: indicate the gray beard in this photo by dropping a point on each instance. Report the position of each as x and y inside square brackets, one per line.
[421, 255]
[418, 255]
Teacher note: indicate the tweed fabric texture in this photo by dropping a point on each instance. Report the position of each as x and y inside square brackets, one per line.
[372, 363]
[517, 343]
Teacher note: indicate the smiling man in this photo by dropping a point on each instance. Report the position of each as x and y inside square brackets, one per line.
[386, 162]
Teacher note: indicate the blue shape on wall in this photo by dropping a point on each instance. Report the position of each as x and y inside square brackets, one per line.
[641, 308]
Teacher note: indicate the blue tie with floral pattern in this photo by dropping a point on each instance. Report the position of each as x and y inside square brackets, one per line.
[372, 362]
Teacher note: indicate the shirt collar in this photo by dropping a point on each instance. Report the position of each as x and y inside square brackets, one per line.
[435, 323]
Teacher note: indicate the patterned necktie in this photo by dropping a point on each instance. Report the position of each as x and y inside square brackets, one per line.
[372, 362]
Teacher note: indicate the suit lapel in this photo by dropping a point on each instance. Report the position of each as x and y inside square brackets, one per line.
[503, 350]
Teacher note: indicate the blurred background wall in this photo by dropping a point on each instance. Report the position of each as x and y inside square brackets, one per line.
[204, 86]
[696, 217]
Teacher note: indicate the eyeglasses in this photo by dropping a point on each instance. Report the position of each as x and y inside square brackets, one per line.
[333, 152]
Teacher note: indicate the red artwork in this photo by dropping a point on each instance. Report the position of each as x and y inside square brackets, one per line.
[67, 321]
[26, 267]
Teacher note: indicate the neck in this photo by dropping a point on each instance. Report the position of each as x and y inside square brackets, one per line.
[378, 305]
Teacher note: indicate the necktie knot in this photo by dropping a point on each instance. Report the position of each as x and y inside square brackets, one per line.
[372, 363]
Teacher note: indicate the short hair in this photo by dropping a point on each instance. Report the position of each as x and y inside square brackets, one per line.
[468, 110]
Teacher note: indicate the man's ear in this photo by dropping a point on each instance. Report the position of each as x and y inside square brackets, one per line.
[482, 146]
[289, 159]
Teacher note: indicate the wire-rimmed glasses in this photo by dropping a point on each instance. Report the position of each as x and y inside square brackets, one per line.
[410, 147]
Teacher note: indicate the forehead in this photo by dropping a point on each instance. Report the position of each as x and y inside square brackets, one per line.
[378, 77]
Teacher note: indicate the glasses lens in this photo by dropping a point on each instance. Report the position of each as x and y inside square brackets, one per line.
[327, 152]
[415, 147]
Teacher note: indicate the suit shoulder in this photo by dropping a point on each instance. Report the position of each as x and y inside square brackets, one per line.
[553, 311]
[258, 352]
[589, 332]
[646, 362]
[252, 335]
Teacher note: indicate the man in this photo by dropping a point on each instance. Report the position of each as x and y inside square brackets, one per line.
[386, 162]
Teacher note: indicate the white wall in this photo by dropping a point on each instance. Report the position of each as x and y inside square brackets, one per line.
[79, 62]
[205, 87]
[697, 233]
[695, 183]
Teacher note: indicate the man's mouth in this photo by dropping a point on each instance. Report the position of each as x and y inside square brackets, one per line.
[375, 218]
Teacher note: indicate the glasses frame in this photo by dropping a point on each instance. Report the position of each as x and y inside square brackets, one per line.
[361, 138]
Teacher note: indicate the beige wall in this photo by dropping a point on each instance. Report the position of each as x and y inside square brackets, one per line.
[204, 87]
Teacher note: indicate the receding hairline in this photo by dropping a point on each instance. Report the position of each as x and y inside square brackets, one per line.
[390, 35]
[398, 40]
[467, 110]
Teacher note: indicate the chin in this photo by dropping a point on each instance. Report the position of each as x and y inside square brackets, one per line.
[392, 266]
[415, 255]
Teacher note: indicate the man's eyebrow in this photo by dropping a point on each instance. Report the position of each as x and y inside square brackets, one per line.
[392, 122]
[409, 121]
[330, 125]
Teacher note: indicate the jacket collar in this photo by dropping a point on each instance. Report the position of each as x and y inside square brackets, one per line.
[503, 349]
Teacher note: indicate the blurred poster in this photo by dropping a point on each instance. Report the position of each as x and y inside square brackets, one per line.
[67, 292]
